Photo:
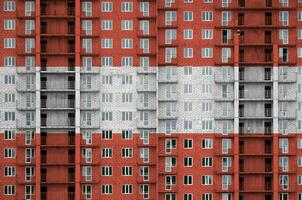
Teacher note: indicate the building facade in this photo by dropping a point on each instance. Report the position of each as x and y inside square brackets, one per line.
[151, 99]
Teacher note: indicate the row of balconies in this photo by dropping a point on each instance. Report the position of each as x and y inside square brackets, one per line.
[256, 5]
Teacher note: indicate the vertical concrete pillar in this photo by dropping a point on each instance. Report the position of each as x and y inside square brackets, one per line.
[275, 122]
[236, 116]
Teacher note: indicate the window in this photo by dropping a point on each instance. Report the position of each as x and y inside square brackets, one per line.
[188, 125]
[10, 171]
[9, 135]
[188, 106]
[106, 153]
[226, 181]
[29, 45]
[9, 189]
[299, 34]
[225, 54]
[206, 125]
[126, 80]
[9, 61]
[107, 79]
[144, 45]
[29, 173]
[29, 26]
[207, 34]
[299, 145]
[87, 8]
[188, 16]
[206, 106]
[87, 191]
[226, 145]
[170, 16]
[299, 15]
[144, 172]
[283, 17]
[87, 45]
[106, 25]
[126, 134]
[144, 26]
[188, 180]
[127, 61]
[87, 173]
[188, 52]
[9, 6]
[9, 153]
[299, 161]
[207, 71]
[127, 43]
[206, 161]
[188, 143]
[9, 24]
[207, 52]
[283, 181]
[106, 171]
[144, 8]
[283, 35]
[127, 25]
[188, 196]
[226, 163]
[126, 171]
[299, 179]
[226, 18]
[126, 97]
[106, 189]
[208, 196]
[106, 61]
[9, 116]
[127, 189]
[9, 43]
[188, 34]
[283, 145]
[188, 88]
[206, 180]
[188, 161]
[169, 182]
[207, 16]
[187, 71]
[107, 43]
[126, 116]
[207, 143]
[126, 152]
[29, 7]
[106, 6]
[107, 97]
[107, 116]
[107, 134]
[127, 6]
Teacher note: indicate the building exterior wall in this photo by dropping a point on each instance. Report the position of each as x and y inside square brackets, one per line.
[81, 118]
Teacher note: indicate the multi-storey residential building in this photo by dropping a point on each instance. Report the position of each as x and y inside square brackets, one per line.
[151, 99]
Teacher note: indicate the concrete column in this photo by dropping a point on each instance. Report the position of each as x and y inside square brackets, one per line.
[236, 116]
[275, 123]
[37, 137]
[77, 99]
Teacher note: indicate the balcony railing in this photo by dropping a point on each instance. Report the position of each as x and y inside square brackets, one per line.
[70, 122]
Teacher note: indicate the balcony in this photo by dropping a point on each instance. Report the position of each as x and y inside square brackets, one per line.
[57, 86]
[167, 78]
[60, 104]
[64, 123]
[146, 87]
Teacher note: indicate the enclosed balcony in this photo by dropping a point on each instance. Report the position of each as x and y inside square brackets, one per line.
[52, 83]
[57, 120]
[58, 101]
